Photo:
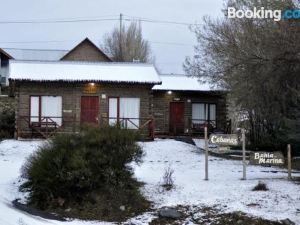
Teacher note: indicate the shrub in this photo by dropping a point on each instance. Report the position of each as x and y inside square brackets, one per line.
[7, 124]
[260, 187]
[75, 168]
[168, 181]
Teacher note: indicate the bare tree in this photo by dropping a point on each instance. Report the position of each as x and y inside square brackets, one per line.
[128, 45]
[258, 60]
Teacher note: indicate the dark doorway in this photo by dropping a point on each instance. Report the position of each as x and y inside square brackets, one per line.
[176, 118]
[89, 110]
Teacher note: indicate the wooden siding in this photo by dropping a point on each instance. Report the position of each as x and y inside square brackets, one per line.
[161, 107]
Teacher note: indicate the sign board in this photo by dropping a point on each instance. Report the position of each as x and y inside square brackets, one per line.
[224, 139]
[266, 158]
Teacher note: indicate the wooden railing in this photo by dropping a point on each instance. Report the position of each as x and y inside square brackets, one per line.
[197, 125]
[44, 126]
[144, 125]
[47, 126]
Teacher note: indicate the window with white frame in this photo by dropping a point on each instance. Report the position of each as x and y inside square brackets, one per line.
[202, 112]
[124, 110]
[46, 109]
[34, 109]
[113, 114]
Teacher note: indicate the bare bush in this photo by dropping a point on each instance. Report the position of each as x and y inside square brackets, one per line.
[168, 181]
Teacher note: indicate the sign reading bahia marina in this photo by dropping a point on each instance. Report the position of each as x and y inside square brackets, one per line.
[224, 139]
[272, 158]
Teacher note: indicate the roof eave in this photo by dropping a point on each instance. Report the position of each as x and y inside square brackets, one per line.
[176, 90]
[85, 81]
[6, 54]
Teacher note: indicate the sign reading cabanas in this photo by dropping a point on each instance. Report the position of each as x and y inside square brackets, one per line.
[224, 139]
[261, 158]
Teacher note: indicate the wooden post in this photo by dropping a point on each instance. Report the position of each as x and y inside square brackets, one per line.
[244, 153]
[190, 126]
[289, 158]
[151, 127]
[206, 152]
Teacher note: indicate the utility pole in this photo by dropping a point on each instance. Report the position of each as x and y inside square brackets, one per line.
[120, 38]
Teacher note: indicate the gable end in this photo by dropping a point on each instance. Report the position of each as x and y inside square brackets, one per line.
[86, 51]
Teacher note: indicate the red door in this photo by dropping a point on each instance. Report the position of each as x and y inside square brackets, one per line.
[89, 110]
[176, 117]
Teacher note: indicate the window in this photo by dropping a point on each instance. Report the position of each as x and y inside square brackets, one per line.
[212, 112]
[202, 112]
[198, 113]
[126, 111]
[113, 110]
[34, 109]
[46, 109]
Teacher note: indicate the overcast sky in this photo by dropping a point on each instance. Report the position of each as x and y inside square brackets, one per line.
[170, 43]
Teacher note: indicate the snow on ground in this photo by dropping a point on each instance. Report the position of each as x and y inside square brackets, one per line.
[12, 156]
[223, 188]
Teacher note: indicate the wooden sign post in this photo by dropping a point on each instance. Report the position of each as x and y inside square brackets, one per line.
[244, 153]
[206, 153]
[266, 158]
[289, 158]
[223, 140]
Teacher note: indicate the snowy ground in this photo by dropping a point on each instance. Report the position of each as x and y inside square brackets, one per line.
[224, 187]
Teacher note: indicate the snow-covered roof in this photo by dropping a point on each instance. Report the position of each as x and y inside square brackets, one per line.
[181, 82]
[83, 71]
[35, 54]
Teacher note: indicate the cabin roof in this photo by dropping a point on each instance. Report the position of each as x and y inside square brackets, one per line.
[181, 82]
[34, 54]
[78, 71]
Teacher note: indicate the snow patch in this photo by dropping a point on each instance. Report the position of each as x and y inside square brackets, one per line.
[224, 188]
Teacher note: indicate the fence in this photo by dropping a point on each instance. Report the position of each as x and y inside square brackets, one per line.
[144, 125]
[196, 126]
[46, 126]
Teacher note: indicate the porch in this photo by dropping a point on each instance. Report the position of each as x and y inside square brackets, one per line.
[47, 126]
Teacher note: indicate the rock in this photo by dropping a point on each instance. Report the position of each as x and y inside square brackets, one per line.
[239, 222]
[170, 213]
[122, 208]
[287, 222]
